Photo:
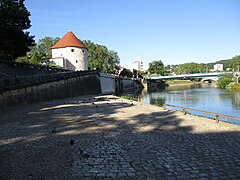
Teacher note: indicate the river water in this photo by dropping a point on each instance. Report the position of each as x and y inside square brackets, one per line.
[201, 97]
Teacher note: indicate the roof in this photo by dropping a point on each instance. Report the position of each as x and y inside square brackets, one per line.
[68, 40]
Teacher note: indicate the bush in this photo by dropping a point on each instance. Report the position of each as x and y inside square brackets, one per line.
[223, 82]
[23, 60]
[126, 72]
[234, 86]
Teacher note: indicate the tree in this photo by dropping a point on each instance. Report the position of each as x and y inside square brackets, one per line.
[126, 72]
[224, 80]
[39, 51]
[44, 46]
[15, 41]
[190, 68]
[100, 58]
[156, 67]
[235, 63]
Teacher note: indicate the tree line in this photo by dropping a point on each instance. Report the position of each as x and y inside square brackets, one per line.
[157, 67]
[99, 57]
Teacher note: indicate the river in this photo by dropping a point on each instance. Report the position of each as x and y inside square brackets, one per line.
[201, 96]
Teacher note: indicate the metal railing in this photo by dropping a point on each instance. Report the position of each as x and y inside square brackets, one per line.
[217, 115]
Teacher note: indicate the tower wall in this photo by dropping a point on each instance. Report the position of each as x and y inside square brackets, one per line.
[74, 58]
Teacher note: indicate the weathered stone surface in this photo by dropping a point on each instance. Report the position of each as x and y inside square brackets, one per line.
[114, 141]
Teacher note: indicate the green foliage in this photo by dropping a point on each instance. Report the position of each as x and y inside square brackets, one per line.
[226, 75]
[156, 67]
[126, 72]
[175, 82]
[100, 58]
[141, 74]
[54, 65]
[40, 51]
[190, 68]
[235, 63]
[23, 59]
[44, 47]
[224, 80]
[157, 101]
[129, 98]
[233, 86]
[14, 39]
[222, 83]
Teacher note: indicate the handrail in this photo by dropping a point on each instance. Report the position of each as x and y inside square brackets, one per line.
[206, 112]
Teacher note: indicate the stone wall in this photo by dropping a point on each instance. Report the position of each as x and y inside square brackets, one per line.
[55, 87]
[117, 85]
[107, 83]
[30, 89]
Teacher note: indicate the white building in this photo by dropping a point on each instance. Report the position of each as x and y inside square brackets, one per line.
[70, 53]
[218, 67]
[137, 65]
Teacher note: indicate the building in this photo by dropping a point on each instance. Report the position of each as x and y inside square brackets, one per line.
[137, 65]
[218, 67]
[70, 53]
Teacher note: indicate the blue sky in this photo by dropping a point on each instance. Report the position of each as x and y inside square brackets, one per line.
[174, 31]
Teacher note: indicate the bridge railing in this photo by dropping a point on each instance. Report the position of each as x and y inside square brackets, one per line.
[187, 76]
[216, 115]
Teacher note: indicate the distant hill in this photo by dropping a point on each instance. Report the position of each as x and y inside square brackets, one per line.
[226, 63]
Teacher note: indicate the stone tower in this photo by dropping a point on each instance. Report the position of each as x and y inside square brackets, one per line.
[70, 53]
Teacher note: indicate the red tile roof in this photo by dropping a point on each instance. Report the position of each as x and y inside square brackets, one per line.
[68, 40]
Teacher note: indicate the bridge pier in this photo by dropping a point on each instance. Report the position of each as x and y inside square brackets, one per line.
[155, 84]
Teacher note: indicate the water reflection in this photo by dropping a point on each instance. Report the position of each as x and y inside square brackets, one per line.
[236, 98]
[157, 101]
[201, 96]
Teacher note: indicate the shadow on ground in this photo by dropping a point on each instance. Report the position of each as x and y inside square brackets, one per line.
[90, 137]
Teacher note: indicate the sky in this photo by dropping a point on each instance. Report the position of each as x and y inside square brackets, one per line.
[174, 31]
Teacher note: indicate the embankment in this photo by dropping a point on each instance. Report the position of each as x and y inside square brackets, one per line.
[30, 89]
[116, 85]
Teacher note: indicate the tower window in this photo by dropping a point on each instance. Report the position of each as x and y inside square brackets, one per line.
[76, 61]
[83, 51]
[72, 50]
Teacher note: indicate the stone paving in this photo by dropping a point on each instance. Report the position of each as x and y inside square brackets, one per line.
[111, 138]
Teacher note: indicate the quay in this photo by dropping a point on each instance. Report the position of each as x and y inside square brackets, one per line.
[106, 137]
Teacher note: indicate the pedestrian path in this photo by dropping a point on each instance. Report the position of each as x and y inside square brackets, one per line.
[107, 137]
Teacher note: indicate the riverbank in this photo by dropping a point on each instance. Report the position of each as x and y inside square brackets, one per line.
[233, 86]
[109, 137]
[181, 82]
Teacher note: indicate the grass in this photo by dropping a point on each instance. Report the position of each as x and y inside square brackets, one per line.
[179, 82]
[234, 86]
[129, 98]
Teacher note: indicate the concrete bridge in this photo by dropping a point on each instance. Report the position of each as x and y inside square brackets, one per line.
[204, 76]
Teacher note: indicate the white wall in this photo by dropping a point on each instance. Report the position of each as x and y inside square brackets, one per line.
[75, 58]
[59, 52]
[138, 65]
[107, 83]
[58, 61]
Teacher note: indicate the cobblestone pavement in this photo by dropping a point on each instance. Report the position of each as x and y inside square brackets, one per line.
[111, 138]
